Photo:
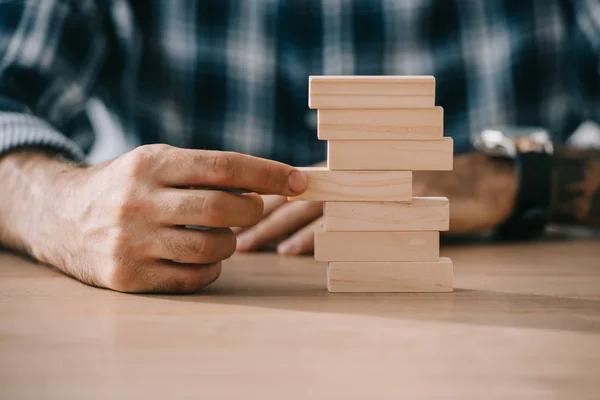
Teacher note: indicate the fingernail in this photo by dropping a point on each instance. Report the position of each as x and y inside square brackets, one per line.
[297, 181]
[285, 248]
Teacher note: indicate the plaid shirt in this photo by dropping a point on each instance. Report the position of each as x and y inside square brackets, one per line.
[233, 75]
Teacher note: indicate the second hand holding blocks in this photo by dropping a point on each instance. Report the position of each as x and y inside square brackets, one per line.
[375, 236]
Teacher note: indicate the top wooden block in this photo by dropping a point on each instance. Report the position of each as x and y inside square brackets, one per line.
[371, 92]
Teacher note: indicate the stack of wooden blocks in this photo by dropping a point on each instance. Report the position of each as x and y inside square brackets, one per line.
[375, 236]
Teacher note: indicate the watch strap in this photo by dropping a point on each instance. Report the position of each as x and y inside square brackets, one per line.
[530, 215]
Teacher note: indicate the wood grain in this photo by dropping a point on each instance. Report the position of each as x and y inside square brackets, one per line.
[381, 124]
[522, 323]
[420, 214]
[326, 185]
[377, 246]
[371, 92]
[322, 101]
[398, 277]
[372, 84]
[408, 155]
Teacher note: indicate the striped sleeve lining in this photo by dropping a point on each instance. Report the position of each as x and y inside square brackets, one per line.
[18, 131]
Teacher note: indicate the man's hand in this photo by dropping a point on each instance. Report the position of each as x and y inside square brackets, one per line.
[290, 224]
[482, 191]
[121, 225]
[482, 194]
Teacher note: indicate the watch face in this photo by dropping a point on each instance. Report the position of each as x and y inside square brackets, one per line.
[495, 143]
[507, 140]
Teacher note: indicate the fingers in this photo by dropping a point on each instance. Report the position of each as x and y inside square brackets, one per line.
[231, 170]
[193, 246]
[271, 202]
[214, 208]
[166, 277]
[282, 221]
[301, 242]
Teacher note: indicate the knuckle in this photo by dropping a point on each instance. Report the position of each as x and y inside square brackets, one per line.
[120, 244]
[216, 246]
[144, 159]
[126, 247]
[177, 285]
[222, 167]
[190, 205]
[206, 246]
[130, 207]
[197, 279]
[121, 249]
[232, 244]
[182, 250]
[272, 179]
[137, 163]
[211, 274]
[256, 210]
[214, 206]
[188, 285]
[194, 250]
[227, 243]
[153, 150]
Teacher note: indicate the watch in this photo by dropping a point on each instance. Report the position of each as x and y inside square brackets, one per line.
[531, 149]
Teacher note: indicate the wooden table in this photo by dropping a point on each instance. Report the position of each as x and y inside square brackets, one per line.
[523, 322]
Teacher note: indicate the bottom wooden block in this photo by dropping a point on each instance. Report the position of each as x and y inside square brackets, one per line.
[426, 276]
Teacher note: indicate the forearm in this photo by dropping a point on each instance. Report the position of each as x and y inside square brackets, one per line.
[575, 196]
[30, 200]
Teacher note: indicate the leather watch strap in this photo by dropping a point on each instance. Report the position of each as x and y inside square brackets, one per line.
[530, 216]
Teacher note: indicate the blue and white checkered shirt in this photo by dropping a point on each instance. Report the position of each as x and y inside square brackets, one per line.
[233, 75]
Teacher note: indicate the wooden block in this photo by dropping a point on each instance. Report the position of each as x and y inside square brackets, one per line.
[422, 214]
[431, 276]
[376, 246]
[373, 85]
[408, 155]
[371, 92]
[376, 124]
[326, 185]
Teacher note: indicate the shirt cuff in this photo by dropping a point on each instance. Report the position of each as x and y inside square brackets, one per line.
[22, 131]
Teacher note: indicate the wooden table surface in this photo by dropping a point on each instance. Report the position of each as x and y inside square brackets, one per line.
[523, 322]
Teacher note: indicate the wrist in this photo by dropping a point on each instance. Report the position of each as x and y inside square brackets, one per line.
[530, 212]
[57, 198]
[530, 150]
[29, 211]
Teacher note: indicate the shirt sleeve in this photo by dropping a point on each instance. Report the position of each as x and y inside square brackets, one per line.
[584, 59]
[51, 53]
